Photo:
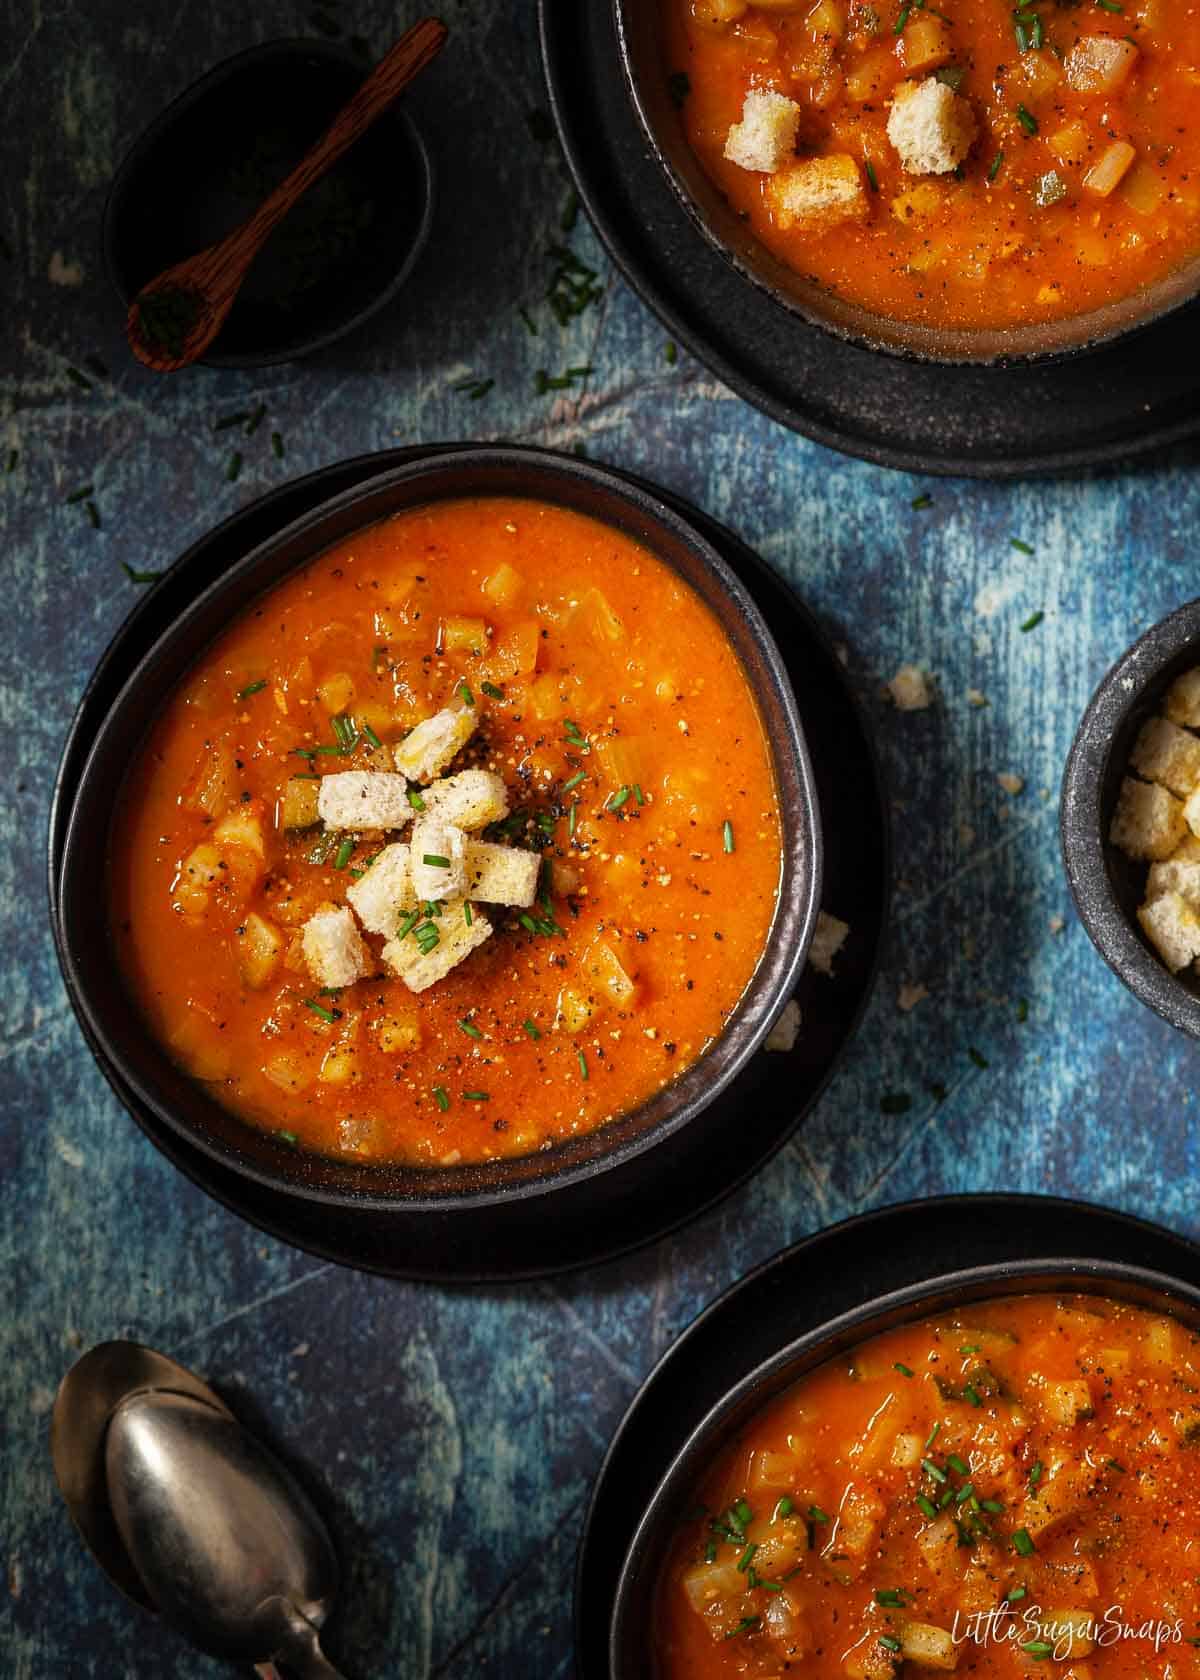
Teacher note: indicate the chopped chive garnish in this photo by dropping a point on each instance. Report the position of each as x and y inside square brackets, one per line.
[471, 1030]
[474, 389]
[93, 513]
[490, 689]
[1032, 622]
[229, 420]
[817, 1515]
[287, 1137]
[436, 861]
[532, 1029]
[933, 1435]
[134, 576]
[924, 500]
[1027, 120]
[1109, 6]
[1020, 546]
[468, 915]
[783, 1508]
[744, 1626]
[1015, 1594]
[82, 494]
[1115, 1464]
[251, 688]
[441, 1097]
[619, 798]
[415, 800]
[408, 923]
[1035, 1475]
[583, 1067]
[574, 735]
[638, 794]
[464, 688]
[977, 1056]
[530, 323]
[370, 735]
[904, 1370]
[727, 835]
[571, 820]
[234, 468]
[890, 1599]
[926, 1506]
[747, 1557]
[964, 1493]
[344, 853]
[277, 445]
[256, 419]
[579, 776]
[890, 1642]
[934, 1470]
[902, 20]
[957, 1465]
[872, 178]
[329, 1015]
[996, 166]
[1022, 1544]
[993, 1506]
[10, 465]
[972, 1394]
[476, 1096]
[527, 922]
[1037, 1648]
[670, 353]
[304, 752]
[77, 378]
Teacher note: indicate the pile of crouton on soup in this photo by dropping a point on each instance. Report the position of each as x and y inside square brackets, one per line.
[1157, 821]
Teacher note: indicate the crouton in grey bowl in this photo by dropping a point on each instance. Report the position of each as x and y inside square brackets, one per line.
[652, 85]
[1108, 776]
[462, 1220]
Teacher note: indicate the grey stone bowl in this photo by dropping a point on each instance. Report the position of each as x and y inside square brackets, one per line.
[1107, 885]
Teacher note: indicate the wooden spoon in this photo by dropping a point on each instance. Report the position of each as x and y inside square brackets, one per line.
[175, 317]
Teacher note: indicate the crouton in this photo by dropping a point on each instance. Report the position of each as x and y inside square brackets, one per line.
[384, 892]
[437, 859]
[359, 799]
[1191, 811]
[1148, 822]
[1166, 754]
[421, 967]
[766, 136]
[502, 874]
[827, 941]
[932, 127]
[1172, 926]
[1182, 704]
[786, 1031]
[333, 947]
[470, 800]
[817, 193]
[910, 689]
[425, 753]
[1187, 851]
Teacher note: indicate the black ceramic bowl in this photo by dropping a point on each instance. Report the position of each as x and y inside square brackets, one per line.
[647, 75]
[633, 1607]
[152, 1085]
[1108, 886]
[208, 161]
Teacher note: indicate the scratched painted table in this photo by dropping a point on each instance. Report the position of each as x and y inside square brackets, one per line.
[454, 1432]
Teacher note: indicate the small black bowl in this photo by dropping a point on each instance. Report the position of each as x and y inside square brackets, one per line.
[437, 1200]
[1107, 886]
[634, 1603]
[208, 161]
[648, 79]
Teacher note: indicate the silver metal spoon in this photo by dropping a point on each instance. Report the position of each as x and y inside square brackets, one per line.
[189, 1514]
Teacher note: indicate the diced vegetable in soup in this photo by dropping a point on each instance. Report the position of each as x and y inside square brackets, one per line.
[977, 166]
[1011, 1485]
[463, 840]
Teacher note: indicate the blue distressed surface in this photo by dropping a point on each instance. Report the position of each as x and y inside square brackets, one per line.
[454, 1433]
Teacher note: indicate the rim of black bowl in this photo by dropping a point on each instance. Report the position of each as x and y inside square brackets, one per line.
[638, 1582]
[285, 48]
[639, 42]
[1103, 883]
[112, 1021]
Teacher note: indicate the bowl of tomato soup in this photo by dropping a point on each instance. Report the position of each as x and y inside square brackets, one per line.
[981, 1471]
[984, 186]
[458, 844]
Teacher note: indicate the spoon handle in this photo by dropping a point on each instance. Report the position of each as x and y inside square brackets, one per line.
[411, 53]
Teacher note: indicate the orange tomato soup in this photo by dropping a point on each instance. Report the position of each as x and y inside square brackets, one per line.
[611, 711]
[1005, 1491]
[1081, 183]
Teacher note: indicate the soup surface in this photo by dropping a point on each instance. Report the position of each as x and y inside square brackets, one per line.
[1009, 1486]
[633, 804]
[1074, 177]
